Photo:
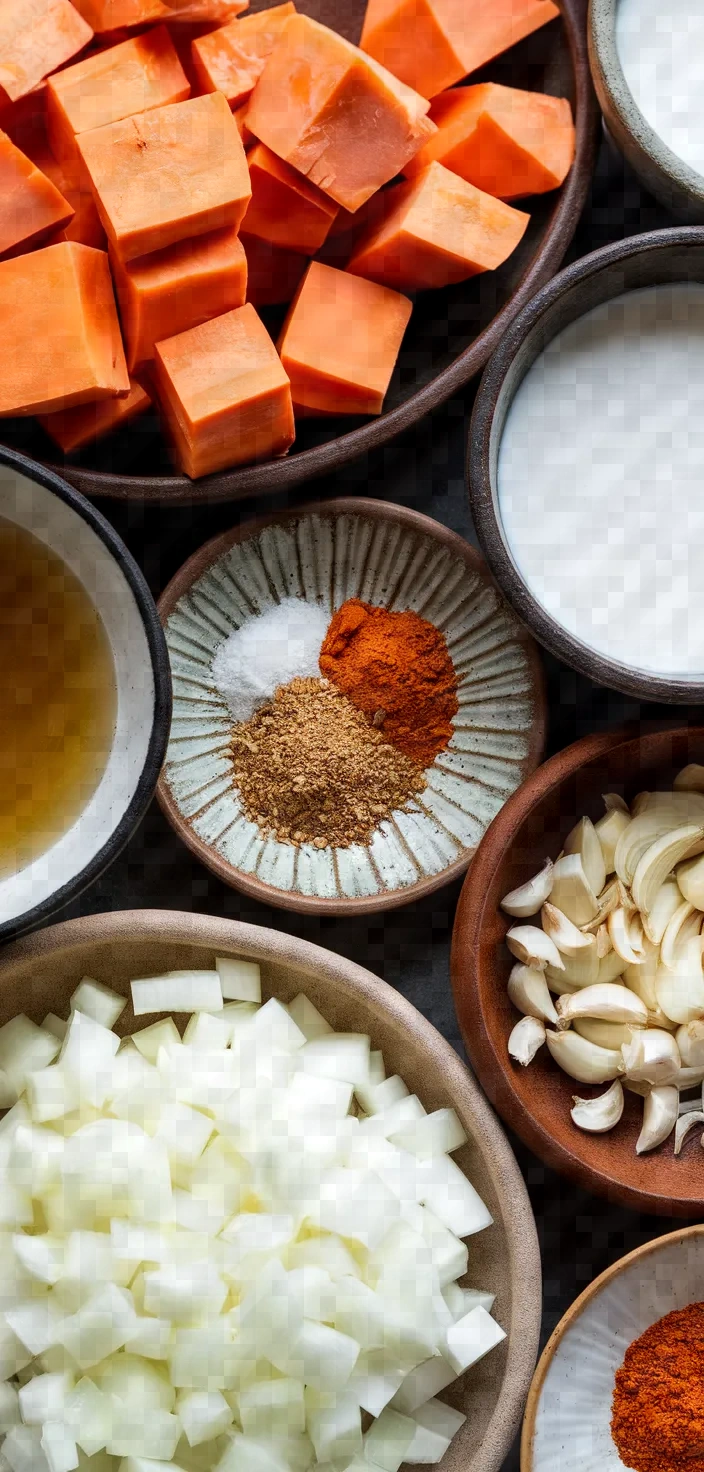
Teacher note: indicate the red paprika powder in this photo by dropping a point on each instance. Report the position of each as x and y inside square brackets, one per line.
[658, 1406]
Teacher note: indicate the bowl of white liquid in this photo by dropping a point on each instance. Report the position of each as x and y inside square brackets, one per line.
[586, 465]
[647, 62]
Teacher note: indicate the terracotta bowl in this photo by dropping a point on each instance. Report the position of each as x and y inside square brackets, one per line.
[39, 974]
[567, 1421]
[452, 332]
[536, 1101]
[325, 554]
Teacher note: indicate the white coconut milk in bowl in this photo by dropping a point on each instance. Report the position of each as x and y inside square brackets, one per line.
[587, 465]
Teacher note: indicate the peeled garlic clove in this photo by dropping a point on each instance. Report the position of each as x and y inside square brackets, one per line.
[582, 1060]
[533, 947]
[608, 900]
[666, 903]
[619, 930]
[684, 923]
[634, 1086]
[527, 899]
[688, 1078]
[690, 881]
[571, 891]
[690, 779]
[608, 1002]
[660, 1112]
[526, 1038]
[611, 966]
[608, 831]
[558, 982]
[690, 1041]
[680, 988]
[685, 1123]
[614, 803]
[604, 943]
[530, 993]
[567, 937]
[659, 860]
[604, 1034]
[665, 812]
[651, 1057]
[581, 969]
[640, 803]
[600, 1114]
[584, 840]
[641, 977]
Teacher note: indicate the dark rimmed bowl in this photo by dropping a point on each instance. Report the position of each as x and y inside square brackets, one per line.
[536, 1101]
[452, 332]
[676, 254]
[678, 186]
[37, 499]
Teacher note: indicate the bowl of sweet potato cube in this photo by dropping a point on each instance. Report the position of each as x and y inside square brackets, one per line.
[241, 244]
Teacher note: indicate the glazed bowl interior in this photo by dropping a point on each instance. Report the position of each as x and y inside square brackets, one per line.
[536, 1100]
[57, 516]
[39, 974]
[665, 256]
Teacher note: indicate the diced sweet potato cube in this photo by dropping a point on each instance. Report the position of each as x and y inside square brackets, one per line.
[334, 114]
[506, 142]
[431, 44]
[36, 36]
[224, 395]
[71, 429]
[165, 175]
[273, 275]
[232, 59]
[340, 342]
[69, 177]
[285, 209]
[193, 12]
[441, 230]
[240, 116]
[135, 77]
[59, 331]
[112, 15]
[31, 205]
[171, 290]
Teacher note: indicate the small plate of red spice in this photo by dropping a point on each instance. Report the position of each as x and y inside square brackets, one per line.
[353, 704]
[621, 1382]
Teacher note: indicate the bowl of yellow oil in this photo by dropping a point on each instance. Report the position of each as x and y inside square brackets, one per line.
[85, 695]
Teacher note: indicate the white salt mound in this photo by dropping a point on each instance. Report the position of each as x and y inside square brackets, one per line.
[267, 651]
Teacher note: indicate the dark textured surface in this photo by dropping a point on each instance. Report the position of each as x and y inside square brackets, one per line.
[580, 1235]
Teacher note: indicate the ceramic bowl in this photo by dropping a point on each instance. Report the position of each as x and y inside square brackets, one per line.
[536, 1101]
[39, 973]
[36, 499]
[673, 255]
[451, 334]
[675, 183]
[386, 555]
[567, 1420]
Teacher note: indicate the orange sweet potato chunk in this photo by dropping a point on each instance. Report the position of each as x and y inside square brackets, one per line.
[224, 395]
[285, 209]
[340, 342]
[59, 331]
[36, 36]
[165, 175]
[334, 114]
[69, 178]
[441, 230]
[431, 44]
[175, 289]
[193, 12]
[140, 74]
[273, 275]
[232, 59]
[71, 429]
[31, 205]
[506, 142]
[112, 15]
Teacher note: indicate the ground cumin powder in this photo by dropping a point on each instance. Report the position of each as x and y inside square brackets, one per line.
[311, 769]
[658, 1405]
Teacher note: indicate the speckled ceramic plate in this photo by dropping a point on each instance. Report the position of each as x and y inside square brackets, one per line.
[386, 555]
[568, 1416]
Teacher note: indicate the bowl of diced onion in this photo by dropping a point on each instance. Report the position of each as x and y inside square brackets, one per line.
[239, 1176]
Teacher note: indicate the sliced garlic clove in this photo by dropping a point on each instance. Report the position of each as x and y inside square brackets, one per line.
[690, 1041]
[659, 860]
[651, 1057]
[659, 1118]
[608, 831]
[571, 891]
[567, 937]
[581, 969]
[690, 881]
[533, 947]
[684, 923]
[604, 943]
[584, 840]
[611, 966]
[599, 1115]
[666, 903]
[680, 988]
[608, 1002]
[530, 994]
[690, 779]
[608, 900]
[619, 930]
[528, 898]
[685, 1123]
[582, 1060]
[614, 803]
[604, 1034]
[526, 1038]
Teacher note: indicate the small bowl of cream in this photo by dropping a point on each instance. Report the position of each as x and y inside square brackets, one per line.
[586, 465]
[647, 63]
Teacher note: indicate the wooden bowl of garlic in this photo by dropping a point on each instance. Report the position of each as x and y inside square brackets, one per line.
[578, 946]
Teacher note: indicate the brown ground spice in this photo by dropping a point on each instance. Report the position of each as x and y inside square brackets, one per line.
[658, 1405]
[311, 769]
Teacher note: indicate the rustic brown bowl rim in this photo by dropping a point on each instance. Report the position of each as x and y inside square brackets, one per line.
[518, 1222]
[281, 475]
[564, 299]
[193, 569]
